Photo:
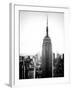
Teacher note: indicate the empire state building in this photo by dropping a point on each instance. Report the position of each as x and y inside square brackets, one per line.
[46, 55]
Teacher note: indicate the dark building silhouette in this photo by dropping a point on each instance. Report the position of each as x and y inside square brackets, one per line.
[58, 64]
[46, 56]
[21, 67]
[26, 67]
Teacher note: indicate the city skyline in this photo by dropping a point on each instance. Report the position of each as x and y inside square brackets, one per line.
[30, 67]
[44, 64]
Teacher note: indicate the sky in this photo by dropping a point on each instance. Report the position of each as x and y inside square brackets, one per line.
[33, 31]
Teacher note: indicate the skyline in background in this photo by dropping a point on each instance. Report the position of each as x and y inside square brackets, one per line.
[33, 30]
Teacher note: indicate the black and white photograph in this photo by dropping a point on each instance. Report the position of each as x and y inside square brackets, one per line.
[41, 45]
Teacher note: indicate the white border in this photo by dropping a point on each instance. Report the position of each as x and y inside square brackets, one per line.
[14, 44]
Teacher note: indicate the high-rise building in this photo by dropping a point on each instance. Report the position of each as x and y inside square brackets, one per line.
[46, 55]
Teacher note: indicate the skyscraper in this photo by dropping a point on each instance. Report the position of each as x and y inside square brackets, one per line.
[46, 55]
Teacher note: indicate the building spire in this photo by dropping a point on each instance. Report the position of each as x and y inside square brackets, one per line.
[47, 27]
[47, 20]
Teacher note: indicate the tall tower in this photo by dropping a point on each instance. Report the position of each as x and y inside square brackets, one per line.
[46, 55]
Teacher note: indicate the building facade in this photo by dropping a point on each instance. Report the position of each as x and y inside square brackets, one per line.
[46, 56]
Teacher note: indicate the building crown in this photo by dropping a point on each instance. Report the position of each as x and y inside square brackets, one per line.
[47, 28]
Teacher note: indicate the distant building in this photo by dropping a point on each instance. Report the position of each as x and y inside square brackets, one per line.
[58, 64]
[46, 56]
[21, 67]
